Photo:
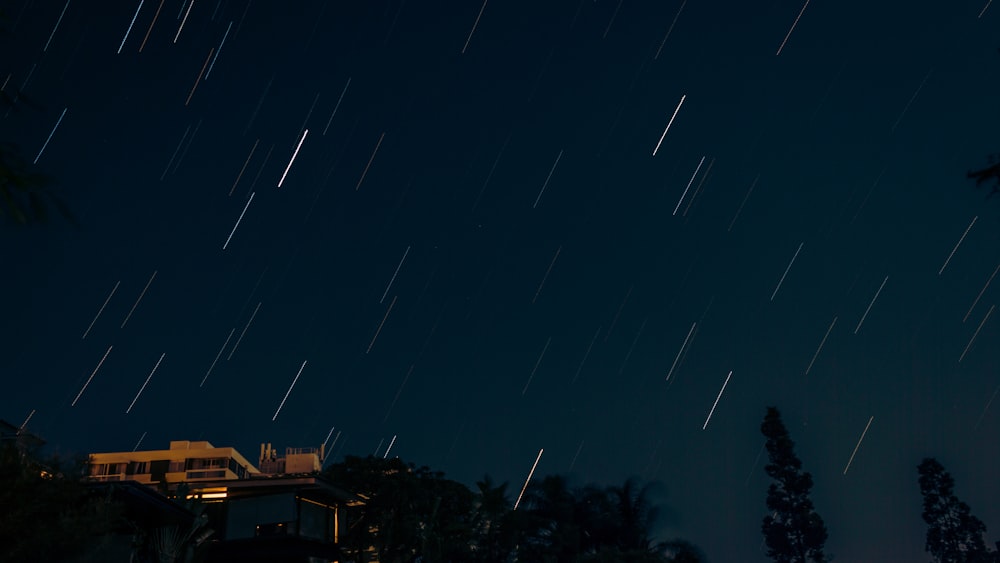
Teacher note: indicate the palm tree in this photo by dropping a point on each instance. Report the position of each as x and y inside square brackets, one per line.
[24, 195]
[490, 507]
[547, 528]
[636, 514]
[173, 543]
[48, 513]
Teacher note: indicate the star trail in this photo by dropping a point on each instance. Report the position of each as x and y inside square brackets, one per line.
[524, 227]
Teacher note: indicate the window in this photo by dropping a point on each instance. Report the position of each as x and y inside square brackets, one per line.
[138, 468]
[176, 466]
[102, 469]
[208, 463]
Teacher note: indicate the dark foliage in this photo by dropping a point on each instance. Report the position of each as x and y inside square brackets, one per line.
[986, 174]
[415, 514]
[591, 524]
[410, 512]
[954, 535]
[48, 514]
[794, 532]
[25, 195]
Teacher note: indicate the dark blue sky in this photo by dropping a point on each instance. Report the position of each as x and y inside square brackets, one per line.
[855, 140]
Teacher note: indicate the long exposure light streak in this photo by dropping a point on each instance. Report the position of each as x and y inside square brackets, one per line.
[945, 265]
[974, 335]
[245, 328]
[92, 374]
[219, 50]
[101, 310]
[981, 291]
[528, 480]
[863, 317]
[681, 351]
[151, 24]
[58, 21]
[295, 154]
[820, 347]
[129, 30]
[230, 237]
[244, 169]
[186, 14]
[200, 73]
[141, 295]
[25, 423]
[719, 396]
[686, 188]
[742, 203]
[51, 133]
[336, 107]
[669, 123]
[546, 276]
[381, 324]
[394, 274]
[367, 166]
[217, 356]
[143, 388]
[547, 178]
[287, 393]
[389, 447]
[586, 354]
[795, 23]
[473, 30]
[782, 280]
[534, 369]
[870, 419]
[671, 28]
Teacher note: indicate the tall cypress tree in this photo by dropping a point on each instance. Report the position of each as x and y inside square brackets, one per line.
[953, 534]
[794, 532]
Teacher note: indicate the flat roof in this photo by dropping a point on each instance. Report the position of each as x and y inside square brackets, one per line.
[323, 488]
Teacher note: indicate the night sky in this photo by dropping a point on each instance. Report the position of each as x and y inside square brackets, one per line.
[476, 251]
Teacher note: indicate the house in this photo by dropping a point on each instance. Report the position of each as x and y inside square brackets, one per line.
[184, 461]
[283, 509]
[21, 438]
[292, 517]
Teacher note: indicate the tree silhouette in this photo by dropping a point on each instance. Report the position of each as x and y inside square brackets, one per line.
[411, 512]
[25, 196]
[414, 514]
[794, 532]
[592, 524]
[984, 175]
[548, 527]
[48, 513]
[490, 509]
[953, 534]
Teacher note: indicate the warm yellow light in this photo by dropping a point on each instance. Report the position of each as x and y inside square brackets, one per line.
[214, 495]
[310, 501]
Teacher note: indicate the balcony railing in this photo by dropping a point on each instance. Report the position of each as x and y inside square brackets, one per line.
[207, 474]
[115, 477]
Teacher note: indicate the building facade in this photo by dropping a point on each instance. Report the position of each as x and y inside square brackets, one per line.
[283, 509]
[184, 462]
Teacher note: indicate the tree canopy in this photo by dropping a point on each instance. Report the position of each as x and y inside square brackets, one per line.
[415, 514]
[794, 532]
[954, 535]
[48, 513]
